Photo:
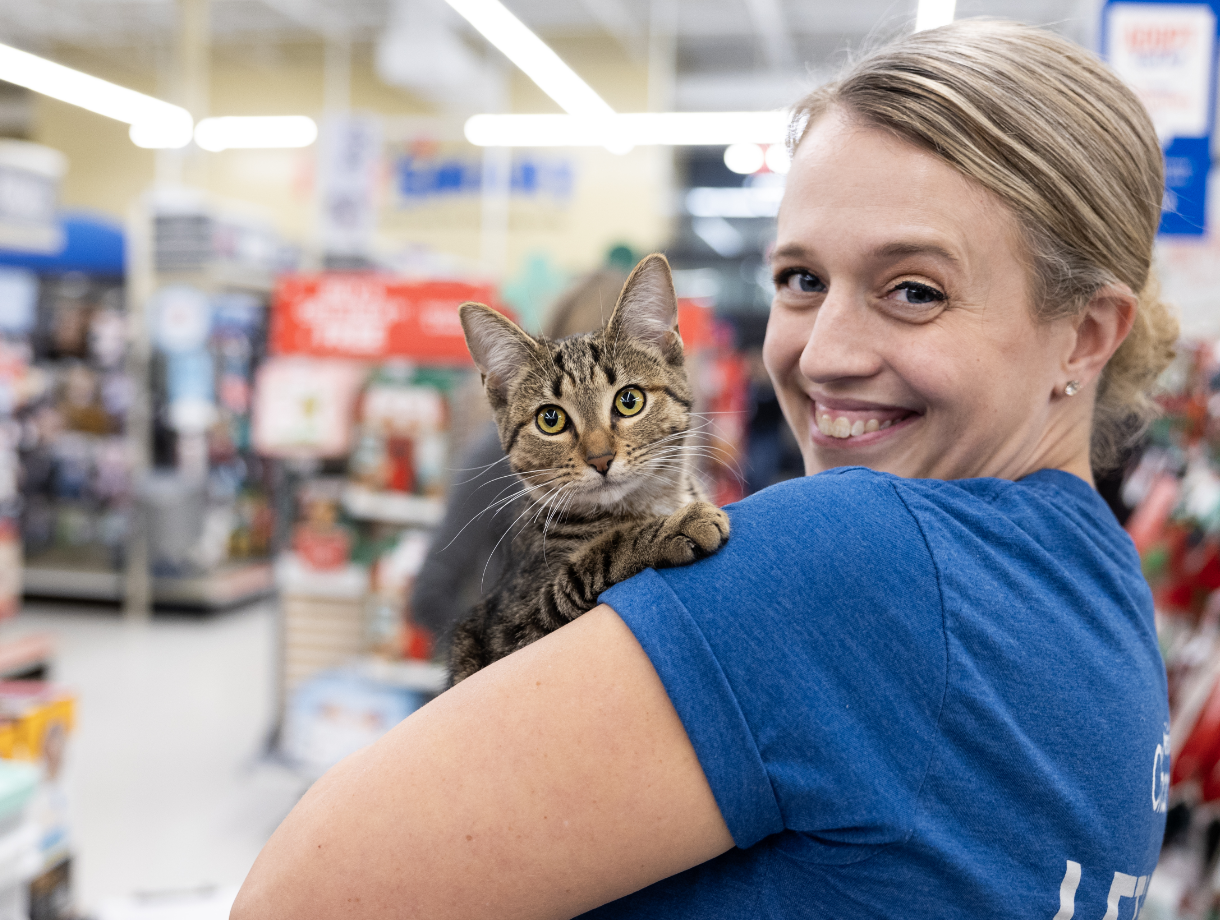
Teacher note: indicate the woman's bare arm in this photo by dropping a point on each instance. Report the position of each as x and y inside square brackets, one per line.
[555, 780]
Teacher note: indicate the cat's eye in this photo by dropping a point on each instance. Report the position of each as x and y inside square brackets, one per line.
[629, 401]
[552, 420]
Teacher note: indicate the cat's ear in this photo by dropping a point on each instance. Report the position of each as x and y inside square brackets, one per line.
[500, 348]
[647, 309]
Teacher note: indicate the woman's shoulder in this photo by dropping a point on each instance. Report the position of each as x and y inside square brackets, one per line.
[864, 497]
[827, 493]
[836, 513]
[839, 533]
[848, 500]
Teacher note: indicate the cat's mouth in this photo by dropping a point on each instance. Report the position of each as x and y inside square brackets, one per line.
[607, 490]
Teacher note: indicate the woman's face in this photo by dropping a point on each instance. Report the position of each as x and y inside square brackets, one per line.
[901, 336]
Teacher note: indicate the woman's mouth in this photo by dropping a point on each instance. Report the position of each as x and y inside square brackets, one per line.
[852, 424]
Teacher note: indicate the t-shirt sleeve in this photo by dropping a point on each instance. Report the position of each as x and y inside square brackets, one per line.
[807, 661]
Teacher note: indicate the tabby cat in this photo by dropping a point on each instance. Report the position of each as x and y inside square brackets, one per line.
[597, 428]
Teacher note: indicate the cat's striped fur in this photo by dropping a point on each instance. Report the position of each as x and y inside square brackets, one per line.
[607, 495]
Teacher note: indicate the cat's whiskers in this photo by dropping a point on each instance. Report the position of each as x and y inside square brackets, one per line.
[717, 455]
[530, 486]
[477, 470]
[508, 530]
[559, 506]
[512, 476]
[494, 506]
[711, 452]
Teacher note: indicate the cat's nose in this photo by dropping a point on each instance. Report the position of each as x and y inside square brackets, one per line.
[601, 462]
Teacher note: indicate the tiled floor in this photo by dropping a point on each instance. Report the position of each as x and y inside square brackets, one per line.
[168, 783]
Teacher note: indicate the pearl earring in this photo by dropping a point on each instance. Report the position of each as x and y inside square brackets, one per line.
[1072, 388]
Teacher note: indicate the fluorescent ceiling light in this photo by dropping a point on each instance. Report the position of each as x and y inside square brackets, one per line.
[932, 13]
[533, 56]
[744, 159]
[255, 132]
[676, 129]
[154, 123]
[754, 201]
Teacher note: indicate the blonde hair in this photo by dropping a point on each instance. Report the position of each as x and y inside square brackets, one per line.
[1048, 128]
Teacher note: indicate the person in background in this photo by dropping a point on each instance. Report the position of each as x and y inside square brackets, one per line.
[469, 549]
[921, 681]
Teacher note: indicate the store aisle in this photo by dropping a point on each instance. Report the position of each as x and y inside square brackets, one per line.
[169, 787]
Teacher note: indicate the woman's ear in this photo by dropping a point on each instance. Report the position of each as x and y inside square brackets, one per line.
[647, 309]
[1100, 329]
[500, 348]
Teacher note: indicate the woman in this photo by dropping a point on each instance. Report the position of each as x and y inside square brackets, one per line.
[921, 683]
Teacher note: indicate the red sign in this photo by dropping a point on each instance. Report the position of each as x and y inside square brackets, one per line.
[372, 317]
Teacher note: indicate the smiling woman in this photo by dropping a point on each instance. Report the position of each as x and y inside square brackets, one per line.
[920, 682]
[916, 313]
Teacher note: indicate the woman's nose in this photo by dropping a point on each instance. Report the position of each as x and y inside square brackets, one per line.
[842, 342]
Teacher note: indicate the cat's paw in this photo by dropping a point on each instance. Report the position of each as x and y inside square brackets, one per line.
[691, 533]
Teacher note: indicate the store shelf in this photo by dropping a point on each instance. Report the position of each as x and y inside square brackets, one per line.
[422, 676]
[228, 586]
[392, 507]
[71, 584]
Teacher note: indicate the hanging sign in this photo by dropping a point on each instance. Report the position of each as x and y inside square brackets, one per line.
[1166, 52]
[372, 317]
[349, 170]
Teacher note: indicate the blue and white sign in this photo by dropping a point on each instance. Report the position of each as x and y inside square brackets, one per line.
[1166, 52]
[420, 179]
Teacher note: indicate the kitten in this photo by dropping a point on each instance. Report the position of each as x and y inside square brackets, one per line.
[597, 429]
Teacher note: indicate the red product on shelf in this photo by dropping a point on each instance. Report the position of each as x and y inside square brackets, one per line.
[400, 462]
[322, 549]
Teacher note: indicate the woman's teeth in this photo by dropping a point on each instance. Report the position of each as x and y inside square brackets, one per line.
[844, 428]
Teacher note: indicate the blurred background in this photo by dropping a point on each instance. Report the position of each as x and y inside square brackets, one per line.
[238, 422]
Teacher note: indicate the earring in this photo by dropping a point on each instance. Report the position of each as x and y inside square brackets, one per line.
[1072, 388]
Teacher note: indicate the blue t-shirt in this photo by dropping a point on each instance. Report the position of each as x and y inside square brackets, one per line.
[915, 699]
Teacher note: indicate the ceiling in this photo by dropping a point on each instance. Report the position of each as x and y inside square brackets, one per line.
[726, 53]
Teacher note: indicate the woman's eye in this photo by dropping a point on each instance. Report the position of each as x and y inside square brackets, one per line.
[802, 282]
[552, 420]
[629, 401]
[918, 294]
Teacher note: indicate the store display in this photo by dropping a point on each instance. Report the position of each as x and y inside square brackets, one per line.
[76, 490]
[209, 498]
[1173, 491]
